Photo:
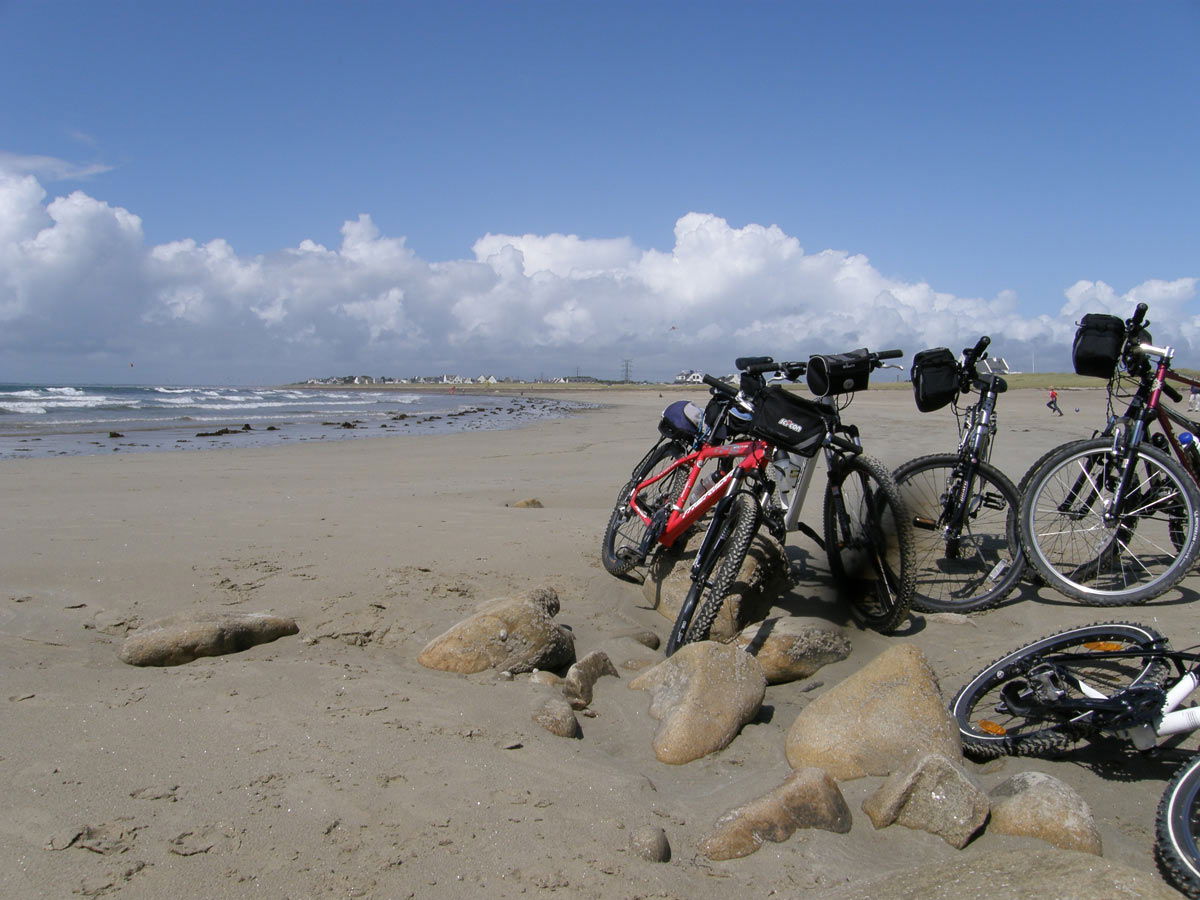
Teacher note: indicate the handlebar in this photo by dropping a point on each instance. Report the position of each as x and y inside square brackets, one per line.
[887, 354]
[976, 353]
[742, 363]
[1172, 393]
[1139, 315]
[719, 386]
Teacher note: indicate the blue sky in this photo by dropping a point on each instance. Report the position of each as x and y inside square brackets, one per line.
[970, 167]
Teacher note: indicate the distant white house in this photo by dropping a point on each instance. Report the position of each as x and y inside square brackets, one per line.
[687, 376]
[486, 379]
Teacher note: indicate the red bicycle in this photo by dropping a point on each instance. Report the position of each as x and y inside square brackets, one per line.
[763, 478]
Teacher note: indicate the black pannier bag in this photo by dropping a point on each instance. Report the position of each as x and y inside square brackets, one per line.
[839, 373]
[792, 423]
[1097, 347]
[935, 378]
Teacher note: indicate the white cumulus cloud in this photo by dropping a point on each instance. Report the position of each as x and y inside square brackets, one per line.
[82, 293]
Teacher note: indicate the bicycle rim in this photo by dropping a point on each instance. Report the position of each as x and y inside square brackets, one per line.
[980, 566]
[626, 531]
[1142, 553]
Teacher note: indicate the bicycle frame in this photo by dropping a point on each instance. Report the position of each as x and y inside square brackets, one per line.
[1172, 720]
[753, 456]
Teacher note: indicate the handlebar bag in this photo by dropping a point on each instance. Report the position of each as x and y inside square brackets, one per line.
[1097, 346]
[935, 378]
[839, 373]
[795, 424]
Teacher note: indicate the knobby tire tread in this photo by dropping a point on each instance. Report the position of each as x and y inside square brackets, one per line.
[888, 619]
[1176, 845]
[1054, 737]
[743, 525]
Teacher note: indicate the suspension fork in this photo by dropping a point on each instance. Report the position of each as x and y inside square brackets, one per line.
[714, 537]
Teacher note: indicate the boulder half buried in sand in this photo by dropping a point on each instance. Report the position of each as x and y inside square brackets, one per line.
[514, 634]
[180, 639]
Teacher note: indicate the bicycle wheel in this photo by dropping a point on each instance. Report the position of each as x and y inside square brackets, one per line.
[996, 711]
[729, 552]
[869, 539]
[1177, 828]
[619, 548]
[979, 567]
[1141, 554]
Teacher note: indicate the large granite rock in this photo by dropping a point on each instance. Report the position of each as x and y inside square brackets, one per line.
[876, 721]
[702, 696]
[180, 639]
[1033, 804]
[934, 795]
[808, 798]
[790, 647]
[511, 634]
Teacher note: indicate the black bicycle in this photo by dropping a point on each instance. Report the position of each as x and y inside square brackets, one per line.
[964, 509]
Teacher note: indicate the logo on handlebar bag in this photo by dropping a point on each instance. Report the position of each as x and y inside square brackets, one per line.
[788, 423]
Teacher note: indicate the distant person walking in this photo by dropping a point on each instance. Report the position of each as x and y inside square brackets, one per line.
[1194, 399]
[1053, 404]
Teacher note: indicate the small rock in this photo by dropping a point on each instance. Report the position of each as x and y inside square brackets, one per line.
[1033, 804]
[808, 798]
[531, 638]
[554, 714]
[530, 503]
[643, 636]
[180, 639]
[581, 678]
[933, 795]
[650, 843]
[702, 696]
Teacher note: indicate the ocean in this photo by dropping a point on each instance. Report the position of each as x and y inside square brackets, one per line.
[38, 420]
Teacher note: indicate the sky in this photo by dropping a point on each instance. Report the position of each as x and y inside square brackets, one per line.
[262, 192]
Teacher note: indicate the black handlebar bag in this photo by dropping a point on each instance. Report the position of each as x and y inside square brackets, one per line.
[791, 423]
[839, 373]
[1097, 346]
[935, 378]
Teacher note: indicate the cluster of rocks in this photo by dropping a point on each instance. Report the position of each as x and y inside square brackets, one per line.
[887, 720]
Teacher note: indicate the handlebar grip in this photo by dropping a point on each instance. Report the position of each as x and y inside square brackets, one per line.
[889, 354]
[1139, 313]
[981, 346]
[760, 368]
[718, 385]
[1172, 393]
[744, 362]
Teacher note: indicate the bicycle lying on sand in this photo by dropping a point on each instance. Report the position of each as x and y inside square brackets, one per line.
[763, 478]
[964, 509]
[1116, 519]
[1105, 679]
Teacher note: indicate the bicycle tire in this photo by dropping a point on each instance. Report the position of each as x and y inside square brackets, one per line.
[729, 553]
[1177, 829]
[870, 547]
[989, 729]
[627, 530]
[1066, 540]
[985, 563]
[1031, 574]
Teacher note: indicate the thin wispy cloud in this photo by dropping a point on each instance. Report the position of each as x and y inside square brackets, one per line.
[50, 168]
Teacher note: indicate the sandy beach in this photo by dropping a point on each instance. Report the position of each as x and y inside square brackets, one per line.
[330, 763]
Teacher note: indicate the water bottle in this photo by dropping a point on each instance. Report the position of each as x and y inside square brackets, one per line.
[1187, 440]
